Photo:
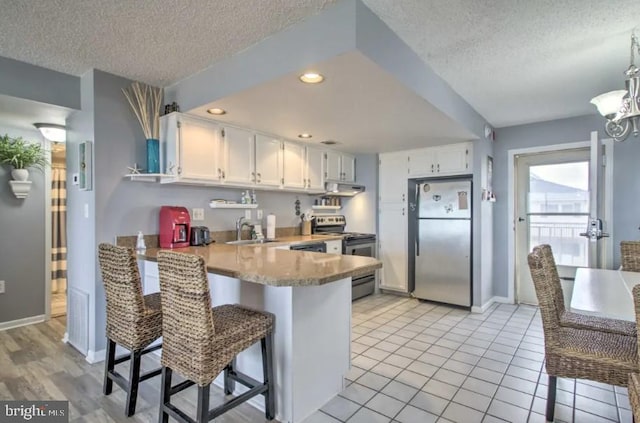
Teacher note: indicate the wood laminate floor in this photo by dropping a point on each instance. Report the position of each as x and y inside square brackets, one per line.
[36, 365]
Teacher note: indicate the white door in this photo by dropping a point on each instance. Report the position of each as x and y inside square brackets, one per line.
[348, 167]
[332, 163]
[392, 246]
[315, 169]
[199, 150]
[452, 160]
[293, 165]
[239, 156]
[268, 161]
[392, 177]
[553, 207]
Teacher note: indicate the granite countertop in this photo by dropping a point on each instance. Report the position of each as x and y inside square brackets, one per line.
[266, 265]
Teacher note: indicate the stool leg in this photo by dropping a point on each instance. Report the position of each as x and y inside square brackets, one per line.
[551, 397]
[134, 380]
[202, 415]
[165, 394]
[107, 386]
[267, 368]
[229, 384]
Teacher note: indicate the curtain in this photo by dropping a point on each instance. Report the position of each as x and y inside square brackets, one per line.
[59, 229]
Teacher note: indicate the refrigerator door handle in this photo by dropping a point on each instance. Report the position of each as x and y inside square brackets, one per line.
[417, 245]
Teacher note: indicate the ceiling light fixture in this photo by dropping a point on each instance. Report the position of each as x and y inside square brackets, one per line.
[217, 111]
[52, 132]
[305, 136]
[621, 108]
[311, 78]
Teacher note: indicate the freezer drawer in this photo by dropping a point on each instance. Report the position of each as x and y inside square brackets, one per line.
[443, 261]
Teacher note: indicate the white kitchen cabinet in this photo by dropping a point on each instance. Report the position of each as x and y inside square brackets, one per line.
[239, 156]
[441, 161]
[314, 167]
[340, 167]
[192, 148]
[392, 246]
[268, 161]
[294, 161]
[393, 170]
[334, 246]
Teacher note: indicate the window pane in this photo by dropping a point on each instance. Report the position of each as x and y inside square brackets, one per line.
[563, 234]
[559, 188]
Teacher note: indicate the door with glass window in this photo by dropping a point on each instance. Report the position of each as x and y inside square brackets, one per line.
[553, 207]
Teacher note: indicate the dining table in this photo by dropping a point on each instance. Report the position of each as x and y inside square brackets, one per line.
[605, 293]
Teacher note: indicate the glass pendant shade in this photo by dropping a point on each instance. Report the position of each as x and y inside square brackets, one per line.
[608, 104]
[52, 132]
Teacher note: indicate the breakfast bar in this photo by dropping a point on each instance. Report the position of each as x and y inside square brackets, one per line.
[310, 295]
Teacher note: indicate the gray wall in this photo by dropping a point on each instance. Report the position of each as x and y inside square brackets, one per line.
[22, 244]
[361, 211]
[625, 181]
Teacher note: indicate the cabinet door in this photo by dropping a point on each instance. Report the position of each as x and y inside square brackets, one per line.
[333, 167]
[199, 150]
[268, 161]
[293, 165]
[452, 159]
[239, 156]
[392, 247]
[422, 162]
[348, 166]
[315, 169]
[392, 182]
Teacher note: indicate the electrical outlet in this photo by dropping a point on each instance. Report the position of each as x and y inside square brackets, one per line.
[198, 214]
[1, 287]
[247, 214]
[259, 214]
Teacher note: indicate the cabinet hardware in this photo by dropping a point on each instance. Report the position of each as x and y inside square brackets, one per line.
[259, 177]
[223, 133]
[438, 167]
[253, 177]
[308, 183]
[219, 173]
[403, 197]
[282, 181]
[223, 175]
[403, 211]
[325, 175]
[179, 170]
[431, 167]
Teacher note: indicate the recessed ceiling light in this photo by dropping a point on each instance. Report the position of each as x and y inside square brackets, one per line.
[217, 111]
[305, 136]
[311, 78]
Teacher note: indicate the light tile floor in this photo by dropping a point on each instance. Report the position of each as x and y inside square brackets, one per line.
[419, 362]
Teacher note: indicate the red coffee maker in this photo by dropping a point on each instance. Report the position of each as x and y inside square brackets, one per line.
[175, 227]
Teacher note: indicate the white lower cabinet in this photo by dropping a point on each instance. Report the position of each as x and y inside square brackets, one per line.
[334, 246]
[392, 246]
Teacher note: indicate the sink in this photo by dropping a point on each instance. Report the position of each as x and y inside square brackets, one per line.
[250, 241]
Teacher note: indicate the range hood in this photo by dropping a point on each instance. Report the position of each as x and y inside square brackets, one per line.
[338, 189]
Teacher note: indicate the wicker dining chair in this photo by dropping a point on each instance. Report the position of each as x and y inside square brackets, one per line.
[634, 379]
[577, 353]
[578, 320]
[134, 320]
[200, 341]
[630, 256]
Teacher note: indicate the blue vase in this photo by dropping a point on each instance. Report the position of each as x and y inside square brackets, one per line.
[153, 156]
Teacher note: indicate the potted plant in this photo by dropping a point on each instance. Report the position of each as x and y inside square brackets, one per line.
[21, 155]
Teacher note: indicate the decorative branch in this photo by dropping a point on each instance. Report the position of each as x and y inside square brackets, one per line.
[145, 101]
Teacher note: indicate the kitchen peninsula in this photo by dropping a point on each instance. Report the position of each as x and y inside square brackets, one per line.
[310, 295]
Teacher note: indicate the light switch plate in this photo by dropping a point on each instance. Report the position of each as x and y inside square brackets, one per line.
[259, 214]
[198, 214]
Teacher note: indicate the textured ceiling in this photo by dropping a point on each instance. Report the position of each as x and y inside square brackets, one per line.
[514, 61]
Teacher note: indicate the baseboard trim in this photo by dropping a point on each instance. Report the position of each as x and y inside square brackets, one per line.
[22, 322]
[94, 357]
[65, 338]
[481, 309]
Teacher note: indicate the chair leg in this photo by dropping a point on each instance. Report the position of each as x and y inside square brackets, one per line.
[266, 344]
[165, 394]
[109, 364]
[229, 384]
[134, 380]
[202, 415]
[551, 397]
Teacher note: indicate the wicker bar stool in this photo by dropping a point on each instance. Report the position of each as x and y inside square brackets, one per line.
[200, 342]
[577, 353]
[133, 321]
[630, 256]
[577, 320]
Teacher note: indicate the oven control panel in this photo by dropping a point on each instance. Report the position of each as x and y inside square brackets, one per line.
[330, 220]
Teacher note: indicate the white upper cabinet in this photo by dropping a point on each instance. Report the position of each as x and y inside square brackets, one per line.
[239, 156]
[268, 161]
[315, 166]
[293, 165]
[340, 167]
[392, 184]
[193, 148]
[441, 161]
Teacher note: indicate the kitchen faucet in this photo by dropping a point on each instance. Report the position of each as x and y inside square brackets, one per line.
[241, 223]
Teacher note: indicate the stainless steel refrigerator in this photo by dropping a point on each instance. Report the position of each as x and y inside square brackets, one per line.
[441, 241]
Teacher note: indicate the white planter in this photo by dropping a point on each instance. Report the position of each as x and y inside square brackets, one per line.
[20, 174]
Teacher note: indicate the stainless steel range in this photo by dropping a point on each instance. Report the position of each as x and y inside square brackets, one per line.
[353, 244]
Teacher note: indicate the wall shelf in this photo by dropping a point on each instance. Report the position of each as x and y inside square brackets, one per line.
[145, 177]
[217, 205]
[326, 207]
